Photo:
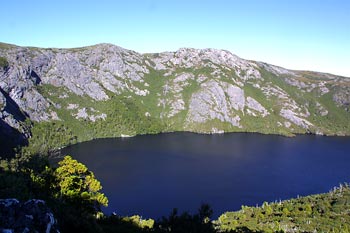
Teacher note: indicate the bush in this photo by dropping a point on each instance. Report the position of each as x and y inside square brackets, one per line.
[3, 62]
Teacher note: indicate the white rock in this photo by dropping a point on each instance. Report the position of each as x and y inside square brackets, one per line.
[235, 95]
[210, 103]
[287, 124]
[217, 131]
[255, 105]
[72, 106]
[293, 117]
[81, 114]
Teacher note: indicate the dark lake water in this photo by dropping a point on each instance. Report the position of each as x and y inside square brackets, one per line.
[150, 175]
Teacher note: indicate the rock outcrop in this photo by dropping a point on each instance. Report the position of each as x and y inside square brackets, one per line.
[29, 216]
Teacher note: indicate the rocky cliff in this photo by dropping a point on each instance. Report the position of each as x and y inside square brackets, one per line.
[105, 91]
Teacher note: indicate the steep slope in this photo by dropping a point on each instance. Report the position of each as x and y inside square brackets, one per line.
[61, 96]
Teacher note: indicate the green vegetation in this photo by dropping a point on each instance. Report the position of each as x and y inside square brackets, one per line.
[334, 123]
[316, 213]
[75, 182]
[47, 136]
[3, 62]
[71, 190]
[6, 46]
[124, 117]
[138, 221]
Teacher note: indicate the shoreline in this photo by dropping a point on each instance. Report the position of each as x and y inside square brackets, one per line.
[57, 152]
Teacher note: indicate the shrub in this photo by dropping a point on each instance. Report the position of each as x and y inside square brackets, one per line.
[3, 62]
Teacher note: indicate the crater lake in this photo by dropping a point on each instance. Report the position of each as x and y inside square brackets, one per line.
[149, 175]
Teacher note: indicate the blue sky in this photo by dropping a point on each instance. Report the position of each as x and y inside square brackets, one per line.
[296, 34]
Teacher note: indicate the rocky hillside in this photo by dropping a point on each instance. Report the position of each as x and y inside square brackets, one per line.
[107, 91]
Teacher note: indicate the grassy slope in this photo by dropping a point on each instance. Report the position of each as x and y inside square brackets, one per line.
[125, 117]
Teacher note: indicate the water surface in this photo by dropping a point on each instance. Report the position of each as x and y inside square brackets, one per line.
[151, 174]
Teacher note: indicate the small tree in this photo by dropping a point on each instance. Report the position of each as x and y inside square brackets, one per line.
[77, 185]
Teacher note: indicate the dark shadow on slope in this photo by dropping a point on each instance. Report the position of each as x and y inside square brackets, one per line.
[13, 108]
[11, 138]
[36, 78]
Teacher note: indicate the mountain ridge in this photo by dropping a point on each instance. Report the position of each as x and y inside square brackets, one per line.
[3, 44]
[123, 92]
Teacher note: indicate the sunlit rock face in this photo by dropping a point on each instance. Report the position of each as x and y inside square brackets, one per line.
[199, 90]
